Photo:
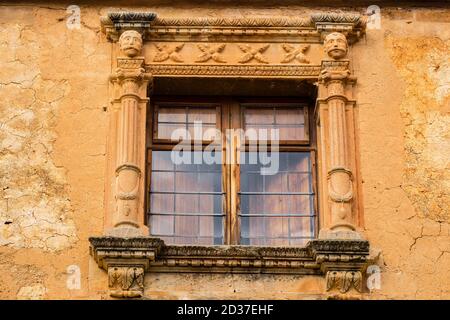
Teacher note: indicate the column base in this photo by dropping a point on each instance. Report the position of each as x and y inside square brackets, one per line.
[127, 231]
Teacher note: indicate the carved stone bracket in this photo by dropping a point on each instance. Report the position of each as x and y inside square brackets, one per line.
[126, 260]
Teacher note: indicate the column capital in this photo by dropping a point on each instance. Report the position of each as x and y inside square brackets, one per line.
[114, 24]
[351, 26]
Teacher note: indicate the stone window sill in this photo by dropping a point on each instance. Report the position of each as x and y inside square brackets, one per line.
[127, 260]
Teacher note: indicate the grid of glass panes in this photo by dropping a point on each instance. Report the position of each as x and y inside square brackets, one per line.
[172, 118]
[186, 200]
[277, 209]
[290, 121]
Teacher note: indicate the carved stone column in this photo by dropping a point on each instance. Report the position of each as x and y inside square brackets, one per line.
[334, 101]
[129, 108]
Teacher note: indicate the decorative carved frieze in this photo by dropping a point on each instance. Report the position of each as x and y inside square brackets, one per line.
[234, 22]
[246, 71]
[235, 53]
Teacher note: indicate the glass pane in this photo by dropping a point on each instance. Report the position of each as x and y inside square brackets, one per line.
[289, 116]
[204, 115]
[168, 131]
[170, 119]
[259, 116]
[161, 161]
[186, 200]
[289, 121]
[177, 115]
[162, 225]
[277, 209]
[162, 203]
[205, 132]
[276, 230]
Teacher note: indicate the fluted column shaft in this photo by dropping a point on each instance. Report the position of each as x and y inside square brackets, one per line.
[339, 175]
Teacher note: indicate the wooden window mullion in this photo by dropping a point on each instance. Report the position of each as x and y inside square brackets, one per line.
[234, 150]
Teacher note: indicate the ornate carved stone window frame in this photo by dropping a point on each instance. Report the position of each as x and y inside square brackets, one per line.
[125, 252]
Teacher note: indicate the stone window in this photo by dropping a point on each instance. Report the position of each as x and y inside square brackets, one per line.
[152, 56]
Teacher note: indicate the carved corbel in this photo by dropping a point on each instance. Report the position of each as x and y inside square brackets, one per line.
[126, 260]
[343, 263]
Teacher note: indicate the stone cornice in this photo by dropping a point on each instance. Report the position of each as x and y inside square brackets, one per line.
[308, 29]
[108, 251]
[222, 259]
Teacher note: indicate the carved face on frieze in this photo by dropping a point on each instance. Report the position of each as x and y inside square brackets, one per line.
[130, 43]
[335, 45]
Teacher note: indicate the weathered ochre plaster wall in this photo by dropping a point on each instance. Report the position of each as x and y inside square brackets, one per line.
[53, 128]
[53, 88]
[404, 112]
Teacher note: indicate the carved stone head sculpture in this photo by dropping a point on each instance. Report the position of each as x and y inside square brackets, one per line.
[335, 45]
[130, 43]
